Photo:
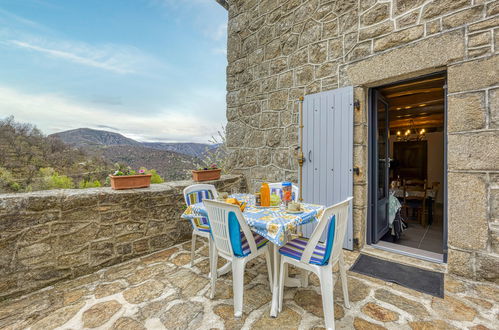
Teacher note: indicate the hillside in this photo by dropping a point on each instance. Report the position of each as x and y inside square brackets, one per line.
[171, 160]
[191, 149]
[170, 165]
[25, 152]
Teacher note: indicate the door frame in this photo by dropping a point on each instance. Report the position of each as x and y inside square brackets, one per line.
[372, 175]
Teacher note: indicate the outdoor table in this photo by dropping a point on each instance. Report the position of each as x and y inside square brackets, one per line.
[274, 224]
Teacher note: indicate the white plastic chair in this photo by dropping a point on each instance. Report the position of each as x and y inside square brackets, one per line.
[235, 242]
[320, 258]
[276, 188]
[200, 225]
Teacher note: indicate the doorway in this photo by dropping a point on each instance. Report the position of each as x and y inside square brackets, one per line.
[407, 166]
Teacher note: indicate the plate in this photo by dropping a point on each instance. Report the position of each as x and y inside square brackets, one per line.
[266, 207]
[295, 212]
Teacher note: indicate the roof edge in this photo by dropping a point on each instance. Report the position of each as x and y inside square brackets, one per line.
[223, 3]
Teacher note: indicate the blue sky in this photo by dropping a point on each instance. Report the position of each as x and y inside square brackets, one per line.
[153, 70]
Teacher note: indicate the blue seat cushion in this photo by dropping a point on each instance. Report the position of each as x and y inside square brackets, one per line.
[240, 245]
[322, 252]
[294, 249]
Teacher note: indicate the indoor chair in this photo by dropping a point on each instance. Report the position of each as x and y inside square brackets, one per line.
[320, 258]
[415, 198]
[200, 225]
[235, 242]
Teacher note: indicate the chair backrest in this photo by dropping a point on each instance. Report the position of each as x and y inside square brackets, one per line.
[415, 185]
[276, 188]
[227, 223]
[335, 220]
[196, 193]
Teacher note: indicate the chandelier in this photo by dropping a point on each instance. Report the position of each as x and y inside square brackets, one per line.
[411, 134]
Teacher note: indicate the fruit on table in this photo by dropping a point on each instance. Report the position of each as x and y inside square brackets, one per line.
[274, 200]
[232, 201]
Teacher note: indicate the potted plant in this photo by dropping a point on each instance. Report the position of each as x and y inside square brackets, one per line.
[130, 179]
[207, 173]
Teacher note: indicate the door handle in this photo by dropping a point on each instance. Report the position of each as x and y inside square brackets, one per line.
[310, 155]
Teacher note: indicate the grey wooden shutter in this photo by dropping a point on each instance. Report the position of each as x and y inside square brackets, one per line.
[328, 151]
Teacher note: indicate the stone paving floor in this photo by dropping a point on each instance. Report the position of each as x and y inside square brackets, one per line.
[161, 291]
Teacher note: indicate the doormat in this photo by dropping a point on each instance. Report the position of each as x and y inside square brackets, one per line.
[418, 279]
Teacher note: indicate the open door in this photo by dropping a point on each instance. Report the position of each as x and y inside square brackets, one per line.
[381, 162]
[328, 150]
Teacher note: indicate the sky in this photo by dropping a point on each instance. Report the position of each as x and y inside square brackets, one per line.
[152, 70]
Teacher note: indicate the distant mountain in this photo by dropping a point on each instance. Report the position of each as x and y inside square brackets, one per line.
[171, 160]
[84, 137]
[87, 137]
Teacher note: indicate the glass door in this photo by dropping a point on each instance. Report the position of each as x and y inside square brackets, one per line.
[381, 152]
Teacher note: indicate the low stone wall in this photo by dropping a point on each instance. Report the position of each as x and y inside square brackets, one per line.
[49, 236]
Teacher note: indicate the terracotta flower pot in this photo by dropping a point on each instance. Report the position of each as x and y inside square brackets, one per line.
[130, 181]
[206, 175]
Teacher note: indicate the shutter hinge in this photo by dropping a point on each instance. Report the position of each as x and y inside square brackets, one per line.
[356, 105]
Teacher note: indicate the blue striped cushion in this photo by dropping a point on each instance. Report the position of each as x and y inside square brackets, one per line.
[203, 227]
[198, 196]
[294, 249]
[202, 224]
[260, 242]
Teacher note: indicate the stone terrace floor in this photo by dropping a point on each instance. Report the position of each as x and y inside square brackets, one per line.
[161, 291]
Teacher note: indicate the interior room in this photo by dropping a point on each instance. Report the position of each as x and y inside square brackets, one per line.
[416, 112]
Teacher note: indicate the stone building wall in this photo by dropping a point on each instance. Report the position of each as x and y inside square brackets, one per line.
[53, 235]
[280, 50]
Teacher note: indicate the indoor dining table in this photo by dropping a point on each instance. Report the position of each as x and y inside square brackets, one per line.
[274, 223]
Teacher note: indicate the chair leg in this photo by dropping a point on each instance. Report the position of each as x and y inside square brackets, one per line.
[269, 268]
[238, 285]
[213, 270]
[210, 251]
[282, 274]
[193, 247]
[344, 281]
[326, 279]
[304, 278]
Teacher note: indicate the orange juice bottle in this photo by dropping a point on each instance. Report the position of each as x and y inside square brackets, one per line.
[265, 194]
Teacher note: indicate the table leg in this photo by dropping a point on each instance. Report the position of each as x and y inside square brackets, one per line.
[275, 271]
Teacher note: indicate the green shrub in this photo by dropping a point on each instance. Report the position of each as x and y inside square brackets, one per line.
[155, 178]
[88, 184]
[15, 186]
[52, 180]
[57, 181]
[7, 181]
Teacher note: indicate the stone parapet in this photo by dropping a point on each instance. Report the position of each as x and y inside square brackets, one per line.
[48, 236]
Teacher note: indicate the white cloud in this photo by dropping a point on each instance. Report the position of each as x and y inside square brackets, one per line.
[54, 113]
[115, 58]
[106, 64]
